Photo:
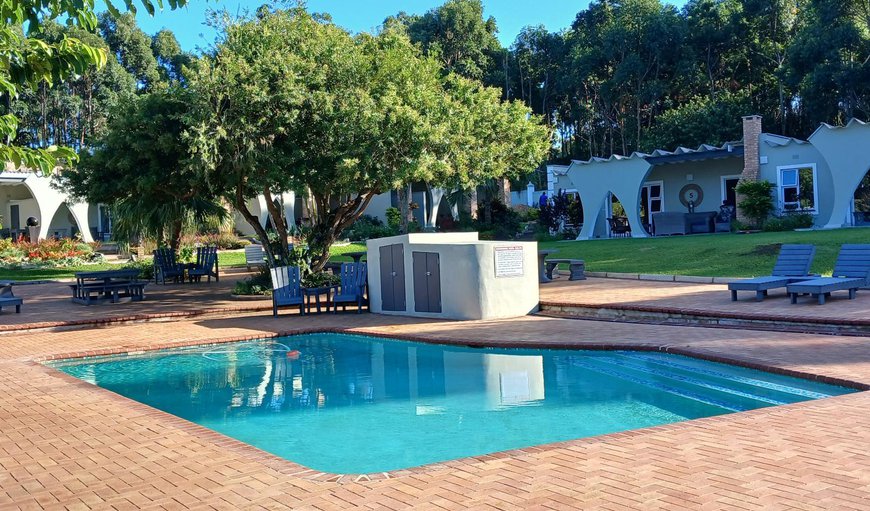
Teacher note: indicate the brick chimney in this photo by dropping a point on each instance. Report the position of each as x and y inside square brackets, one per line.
[751, 157]
[751, 141]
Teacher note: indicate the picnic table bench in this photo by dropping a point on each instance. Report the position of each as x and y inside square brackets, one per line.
[577, 267]
[104, 285]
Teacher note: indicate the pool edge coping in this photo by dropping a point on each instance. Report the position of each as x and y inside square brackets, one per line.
[289, 467]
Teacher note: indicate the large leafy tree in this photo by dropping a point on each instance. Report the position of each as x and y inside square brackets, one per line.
[296, 103]
[143, 168]
[26, 61]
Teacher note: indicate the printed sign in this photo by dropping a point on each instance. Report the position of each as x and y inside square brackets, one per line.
[509, 261]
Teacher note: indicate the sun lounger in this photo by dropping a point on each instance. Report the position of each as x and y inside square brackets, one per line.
[851, 271]
[792, 265]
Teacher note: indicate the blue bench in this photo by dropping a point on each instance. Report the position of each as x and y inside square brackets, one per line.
[8, 299]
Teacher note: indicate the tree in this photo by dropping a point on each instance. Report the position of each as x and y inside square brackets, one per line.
[142, 168]
[297, 103]
[25, 62]
[457, 34]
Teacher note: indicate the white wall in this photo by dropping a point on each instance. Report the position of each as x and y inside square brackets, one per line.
[469, 287]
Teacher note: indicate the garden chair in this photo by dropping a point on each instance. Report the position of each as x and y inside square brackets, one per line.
[792, 265]
[619, 227]
[352, 288]
[286, 288]
[255, 256]
[8, 299]
[206, 265]
[851, 271]
[167, 267]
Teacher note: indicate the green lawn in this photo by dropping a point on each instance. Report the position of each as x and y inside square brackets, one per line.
[225, 259]
[714, 255]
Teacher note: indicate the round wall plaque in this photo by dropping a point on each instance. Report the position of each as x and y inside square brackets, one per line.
[691, 193]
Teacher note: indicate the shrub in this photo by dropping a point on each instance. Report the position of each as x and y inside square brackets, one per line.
[367, 227]
[757, 201]
[320, 279]
[788, 222]
[394, 218]
[505, 221]
[145, 267]
[258, 284]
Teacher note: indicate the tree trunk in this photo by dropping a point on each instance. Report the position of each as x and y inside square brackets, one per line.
[175, 235]
[405, 195]
[504, 191]
[241, 206]
[279, 222]
[473, 203]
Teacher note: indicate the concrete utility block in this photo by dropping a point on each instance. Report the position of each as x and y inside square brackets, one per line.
[693, 280]
[657, 278]
[628, 276]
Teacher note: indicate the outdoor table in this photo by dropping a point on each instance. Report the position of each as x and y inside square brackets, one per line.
[309, 292]
[542, 267]
[356, 255]
[107, 284]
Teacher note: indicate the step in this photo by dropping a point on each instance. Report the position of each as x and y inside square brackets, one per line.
[675, 316]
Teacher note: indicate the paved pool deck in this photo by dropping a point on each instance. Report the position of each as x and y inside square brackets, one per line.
[65, 444]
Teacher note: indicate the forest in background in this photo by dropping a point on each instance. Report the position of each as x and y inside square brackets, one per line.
[627, 75]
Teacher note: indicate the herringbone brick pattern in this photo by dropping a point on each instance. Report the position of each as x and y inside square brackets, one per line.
[66, 444]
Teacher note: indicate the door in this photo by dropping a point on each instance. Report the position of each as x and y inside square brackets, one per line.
[651, 195]
[15, 217]
[427, 282]
[392, 277]
[729, 195]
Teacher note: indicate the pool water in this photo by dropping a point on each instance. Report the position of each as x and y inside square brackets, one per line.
[352, 404]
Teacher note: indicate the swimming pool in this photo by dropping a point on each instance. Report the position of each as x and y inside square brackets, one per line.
[352, 404]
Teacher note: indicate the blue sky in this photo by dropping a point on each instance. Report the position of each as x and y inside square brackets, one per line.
[365, 15]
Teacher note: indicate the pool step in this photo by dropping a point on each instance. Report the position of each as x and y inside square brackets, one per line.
[709, 386]
[632, 313]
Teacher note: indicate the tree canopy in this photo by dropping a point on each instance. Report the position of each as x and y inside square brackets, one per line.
[26, 61]
[297, 103]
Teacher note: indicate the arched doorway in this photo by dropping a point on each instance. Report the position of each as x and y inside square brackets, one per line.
[617, 218]
[63, 224]
[861, 202]
[17, 204]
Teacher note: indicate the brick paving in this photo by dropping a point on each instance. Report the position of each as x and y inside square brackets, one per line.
[67, 444]
[704, 299]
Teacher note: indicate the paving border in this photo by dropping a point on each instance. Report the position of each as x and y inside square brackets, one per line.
[289, 467]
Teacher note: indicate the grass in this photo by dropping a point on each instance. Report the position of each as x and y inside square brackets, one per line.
[712, 255]
[225, 259]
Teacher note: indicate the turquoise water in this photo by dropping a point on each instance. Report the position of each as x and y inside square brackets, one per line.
[352, 404]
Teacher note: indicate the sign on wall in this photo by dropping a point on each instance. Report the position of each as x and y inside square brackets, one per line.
[509, 261]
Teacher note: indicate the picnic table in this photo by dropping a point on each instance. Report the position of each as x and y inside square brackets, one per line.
[110, 284]
[356, 255]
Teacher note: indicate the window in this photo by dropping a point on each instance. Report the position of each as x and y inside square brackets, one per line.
[797, 188]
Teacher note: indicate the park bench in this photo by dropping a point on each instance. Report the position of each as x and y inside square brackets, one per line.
[576, 267]
[103, 285]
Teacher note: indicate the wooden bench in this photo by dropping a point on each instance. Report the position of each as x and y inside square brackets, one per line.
[577, 268]
[104, 285]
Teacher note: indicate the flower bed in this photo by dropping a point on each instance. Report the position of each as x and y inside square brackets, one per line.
[48, 253]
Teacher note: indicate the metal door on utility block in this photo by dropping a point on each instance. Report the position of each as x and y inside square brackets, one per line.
[427, 282]
[392, 277]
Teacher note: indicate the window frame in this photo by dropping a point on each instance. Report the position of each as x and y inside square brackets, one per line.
[780, 193]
